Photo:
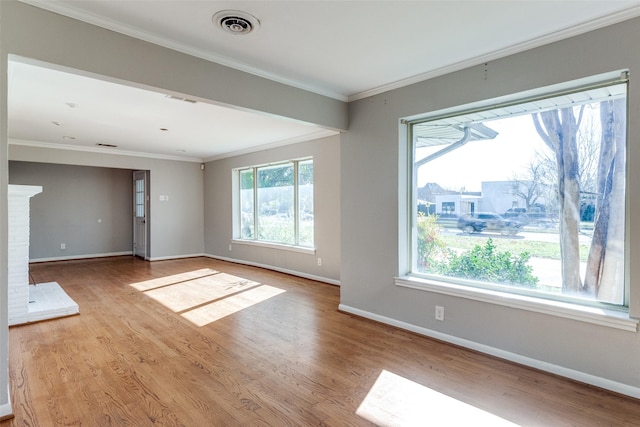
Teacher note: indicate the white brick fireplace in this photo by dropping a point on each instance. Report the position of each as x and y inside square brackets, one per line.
[19, 210]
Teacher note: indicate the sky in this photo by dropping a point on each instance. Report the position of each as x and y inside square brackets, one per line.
[498, 159]
[503, 158]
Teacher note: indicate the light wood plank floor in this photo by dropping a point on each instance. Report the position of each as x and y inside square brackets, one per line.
[200, 342]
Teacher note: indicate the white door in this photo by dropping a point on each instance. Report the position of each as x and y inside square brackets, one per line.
[140, 214]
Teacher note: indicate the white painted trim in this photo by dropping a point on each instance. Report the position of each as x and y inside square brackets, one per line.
[170, 257]
[102, 150]
[72, 12]
[278, 269]
[580, 376]
[271, 245]
[322, 133]
[74, 257]
[6, 411]
[75, 13]
[595, 24]
[594, 315]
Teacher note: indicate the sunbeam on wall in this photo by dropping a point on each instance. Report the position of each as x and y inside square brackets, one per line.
[206, 295]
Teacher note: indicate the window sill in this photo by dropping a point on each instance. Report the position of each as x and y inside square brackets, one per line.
[597, 316]
[271, 245]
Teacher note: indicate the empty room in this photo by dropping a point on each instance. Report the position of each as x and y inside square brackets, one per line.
[318, 213]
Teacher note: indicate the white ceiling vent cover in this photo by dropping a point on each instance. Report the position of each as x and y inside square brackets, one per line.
[236, 22]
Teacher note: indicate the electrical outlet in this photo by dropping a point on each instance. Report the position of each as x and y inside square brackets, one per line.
[63, 246]
[229, 247]
[319, 262]
[440, 313]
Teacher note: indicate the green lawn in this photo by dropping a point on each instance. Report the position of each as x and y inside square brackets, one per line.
[515, 246]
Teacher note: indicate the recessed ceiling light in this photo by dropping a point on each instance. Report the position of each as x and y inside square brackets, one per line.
[178, 98]
[236, 22]
[68, 137]
[181, 150]
[71, 105]
[164, 129]
[57, 123]
[99, 144]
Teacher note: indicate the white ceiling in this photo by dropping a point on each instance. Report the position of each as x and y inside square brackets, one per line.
[343, 49]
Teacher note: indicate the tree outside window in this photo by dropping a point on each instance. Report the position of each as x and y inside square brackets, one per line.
[549, 218]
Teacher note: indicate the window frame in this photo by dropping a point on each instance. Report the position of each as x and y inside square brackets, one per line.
[237, 238]
[594, 312]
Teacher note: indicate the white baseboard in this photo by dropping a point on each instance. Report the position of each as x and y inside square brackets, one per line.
[73, 257]
[278, 269]
[6, 411]
[502, 354]
[169, 257]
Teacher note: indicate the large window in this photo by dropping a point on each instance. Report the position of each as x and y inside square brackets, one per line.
[529, 196]
[276, 203]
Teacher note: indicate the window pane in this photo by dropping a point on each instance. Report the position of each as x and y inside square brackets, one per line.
[276, 219]
[526, 198]
[140, 198]
[305, 203]
[246, 204]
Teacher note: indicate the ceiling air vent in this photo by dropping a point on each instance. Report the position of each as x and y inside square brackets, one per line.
[236, 22]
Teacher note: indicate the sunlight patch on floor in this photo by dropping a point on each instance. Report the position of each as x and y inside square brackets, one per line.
[217, 310]
[397, 401]
[173, 279]
[186, 295]
[206, 295]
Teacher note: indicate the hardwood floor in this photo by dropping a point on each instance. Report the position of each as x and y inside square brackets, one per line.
[200, 342]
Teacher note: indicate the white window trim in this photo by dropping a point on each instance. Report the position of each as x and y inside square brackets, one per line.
[595, 315]
[236, 210]
[613, 318]
[274, 245]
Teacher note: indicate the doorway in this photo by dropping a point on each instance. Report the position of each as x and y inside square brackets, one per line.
[140, 214]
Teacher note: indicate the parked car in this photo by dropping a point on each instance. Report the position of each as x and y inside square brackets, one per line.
[489, 221]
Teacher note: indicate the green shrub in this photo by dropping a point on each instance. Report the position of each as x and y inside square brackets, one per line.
[484, 263]
[432, 250]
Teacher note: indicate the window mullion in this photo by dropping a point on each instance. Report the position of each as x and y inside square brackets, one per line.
[255, 203]
[296, 206]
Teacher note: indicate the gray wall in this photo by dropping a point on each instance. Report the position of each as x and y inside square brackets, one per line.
[368, 181]
[218, 210]
[176, 225]
[89, 209]
[373, 183]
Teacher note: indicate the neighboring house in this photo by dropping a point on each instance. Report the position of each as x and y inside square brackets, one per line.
[427, 197]
[454, 205]
[496, 196]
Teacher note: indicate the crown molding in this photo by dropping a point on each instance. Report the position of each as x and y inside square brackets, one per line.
[71, 11]
[113, 151]
[75, 13]
[323, 133]
[576, 30]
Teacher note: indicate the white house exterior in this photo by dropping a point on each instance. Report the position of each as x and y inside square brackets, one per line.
[496, 196]
[457, 204]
